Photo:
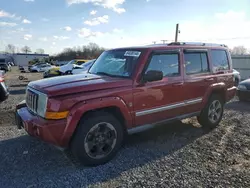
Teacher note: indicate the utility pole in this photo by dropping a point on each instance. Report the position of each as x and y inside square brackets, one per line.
[164, 41]
[176, 32]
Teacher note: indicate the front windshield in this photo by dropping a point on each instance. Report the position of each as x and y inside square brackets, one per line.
[117, 63]
[71, 62]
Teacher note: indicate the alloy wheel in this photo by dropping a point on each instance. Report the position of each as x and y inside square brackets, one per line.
[100, 140]
[215, 111]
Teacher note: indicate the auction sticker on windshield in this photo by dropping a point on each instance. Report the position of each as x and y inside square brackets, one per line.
[132, 53]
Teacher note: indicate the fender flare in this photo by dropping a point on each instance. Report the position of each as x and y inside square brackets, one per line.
[214, 87]
[81, 108]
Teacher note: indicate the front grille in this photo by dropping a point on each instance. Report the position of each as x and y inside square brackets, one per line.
[32, 100]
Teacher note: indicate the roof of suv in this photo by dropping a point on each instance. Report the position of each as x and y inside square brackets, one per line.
[179, 44]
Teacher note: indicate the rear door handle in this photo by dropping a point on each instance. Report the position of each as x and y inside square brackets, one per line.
[209, 79]
[178, 84]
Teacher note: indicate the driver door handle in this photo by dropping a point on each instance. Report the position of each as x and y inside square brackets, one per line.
[178, 84]
[209, 79]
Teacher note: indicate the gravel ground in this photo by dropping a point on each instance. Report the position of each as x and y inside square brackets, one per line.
[177, 155]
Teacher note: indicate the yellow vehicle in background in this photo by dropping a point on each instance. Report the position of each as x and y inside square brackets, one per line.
[64, 69]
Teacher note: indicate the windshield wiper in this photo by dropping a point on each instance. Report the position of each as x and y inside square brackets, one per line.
[104, 73]
[110, 75]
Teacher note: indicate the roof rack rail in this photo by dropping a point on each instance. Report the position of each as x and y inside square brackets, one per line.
[196, 44]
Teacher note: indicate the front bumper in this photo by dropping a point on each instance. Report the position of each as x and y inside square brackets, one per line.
[50, 131]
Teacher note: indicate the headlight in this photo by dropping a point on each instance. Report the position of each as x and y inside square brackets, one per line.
[242, 87]
[42, 104]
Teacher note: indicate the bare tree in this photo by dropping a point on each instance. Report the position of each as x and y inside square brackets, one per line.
[40, 51]
[26, 49]
[10, 48]
[89, 51]
[239, 50]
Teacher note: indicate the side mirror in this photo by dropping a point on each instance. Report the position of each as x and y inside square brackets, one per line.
[153, 75]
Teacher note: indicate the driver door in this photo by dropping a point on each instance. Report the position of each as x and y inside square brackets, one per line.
[160, 100]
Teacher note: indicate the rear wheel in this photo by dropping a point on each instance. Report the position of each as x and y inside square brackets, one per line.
[212, 114]
[97, 139]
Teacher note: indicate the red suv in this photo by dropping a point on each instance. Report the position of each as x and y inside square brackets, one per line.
[125, 91]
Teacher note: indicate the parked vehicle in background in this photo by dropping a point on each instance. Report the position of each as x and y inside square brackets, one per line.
[41, 67]
[128, 90]
[4, 93]
[4, 67]
[80, 69]
[243, 91]
[31, 66]
[237, 77]
[64, 69]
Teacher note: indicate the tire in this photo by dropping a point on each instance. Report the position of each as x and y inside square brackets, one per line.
[67, 73]
[87, 129]
[205, 119]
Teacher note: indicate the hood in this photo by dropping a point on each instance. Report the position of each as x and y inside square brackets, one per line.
[245, 82]
[63, 85]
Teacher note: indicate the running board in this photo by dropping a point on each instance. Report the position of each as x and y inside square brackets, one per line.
[142, 128]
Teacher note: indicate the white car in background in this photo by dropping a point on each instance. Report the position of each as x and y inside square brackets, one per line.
[41, 67]
[67, 68]
[80, 69]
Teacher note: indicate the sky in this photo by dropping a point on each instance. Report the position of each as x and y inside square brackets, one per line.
[57, 24]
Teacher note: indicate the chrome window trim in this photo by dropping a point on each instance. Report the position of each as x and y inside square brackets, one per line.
[169, 107]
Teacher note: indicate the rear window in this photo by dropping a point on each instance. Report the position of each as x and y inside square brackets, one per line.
[196, 63]
[219, 60]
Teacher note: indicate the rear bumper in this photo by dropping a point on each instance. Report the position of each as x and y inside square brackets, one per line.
[50, 131]
[231, 93]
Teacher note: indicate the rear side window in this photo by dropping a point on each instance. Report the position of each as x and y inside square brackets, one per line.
[196, 62]
[167, 63]
[219, 60]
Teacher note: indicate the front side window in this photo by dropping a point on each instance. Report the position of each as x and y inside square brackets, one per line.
[116, 63]
[219, 60]
[196, 62]
[167, 63]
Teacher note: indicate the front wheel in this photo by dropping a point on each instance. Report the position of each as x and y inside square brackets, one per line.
[212, 114]
[97, 139]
